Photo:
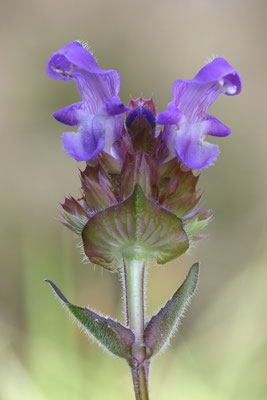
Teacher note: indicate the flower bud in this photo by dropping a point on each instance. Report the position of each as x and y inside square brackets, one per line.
[140, 118]
[141, 124]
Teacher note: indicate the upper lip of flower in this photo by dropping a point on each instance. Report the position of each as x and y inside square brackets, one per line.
[95, 85]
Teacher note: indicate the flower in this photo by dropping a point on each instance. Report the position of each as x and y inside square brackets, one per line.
[186, 120]
[99, 114]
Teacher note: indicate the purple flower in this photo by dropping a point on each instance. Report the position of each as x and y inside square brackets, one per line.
[186, 120]
[99, 114]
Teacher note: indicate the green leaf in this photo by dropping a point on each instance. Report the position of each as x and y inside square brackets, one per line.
[113, 336]
[162, 326]
[137, 227]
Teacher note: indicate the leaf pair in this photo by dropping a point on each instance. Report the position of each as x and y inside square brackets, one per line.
[118, 339]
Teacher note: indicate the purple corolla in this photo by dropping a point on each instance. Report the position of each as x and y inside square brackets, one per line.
[186, 120]
[99, 114]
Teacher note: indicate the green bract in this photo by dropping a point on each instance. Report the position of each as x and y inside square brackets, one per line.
[135, 226]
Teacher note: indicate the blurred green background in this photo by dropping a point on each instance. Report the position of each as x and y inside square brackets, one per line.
[220, 352]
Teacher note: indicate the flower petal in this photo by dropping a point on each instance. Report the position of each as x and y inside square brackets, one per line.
[113, 131]
[194, 97]
[88, 142]
[218, 69]
[169, 136]
[216, 127]
[95, 85]
[113, 106]
[70, 115]
[192, 150]
[170, 116]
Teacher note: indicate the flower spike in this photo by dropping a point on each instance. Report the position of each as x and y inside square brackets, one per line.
[140, 202]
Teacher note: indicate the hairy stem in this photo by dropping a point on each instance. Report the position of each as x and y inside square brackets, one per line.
[134, 272]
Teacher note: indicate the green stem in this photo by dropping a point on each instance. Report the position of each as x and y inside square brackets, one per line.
[134, 272]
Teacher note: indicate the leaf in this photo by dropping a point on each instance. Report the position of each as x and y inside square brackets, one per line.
[162, 326]
[113, 336]
[137, 226]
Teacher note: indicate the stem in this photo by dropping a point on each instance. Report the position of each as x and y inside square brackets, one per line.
[134, 271]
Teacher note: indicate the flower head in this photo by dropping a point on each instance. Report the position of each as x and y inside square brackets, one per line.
[139, 190]
[99, 114]
[186, 120]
